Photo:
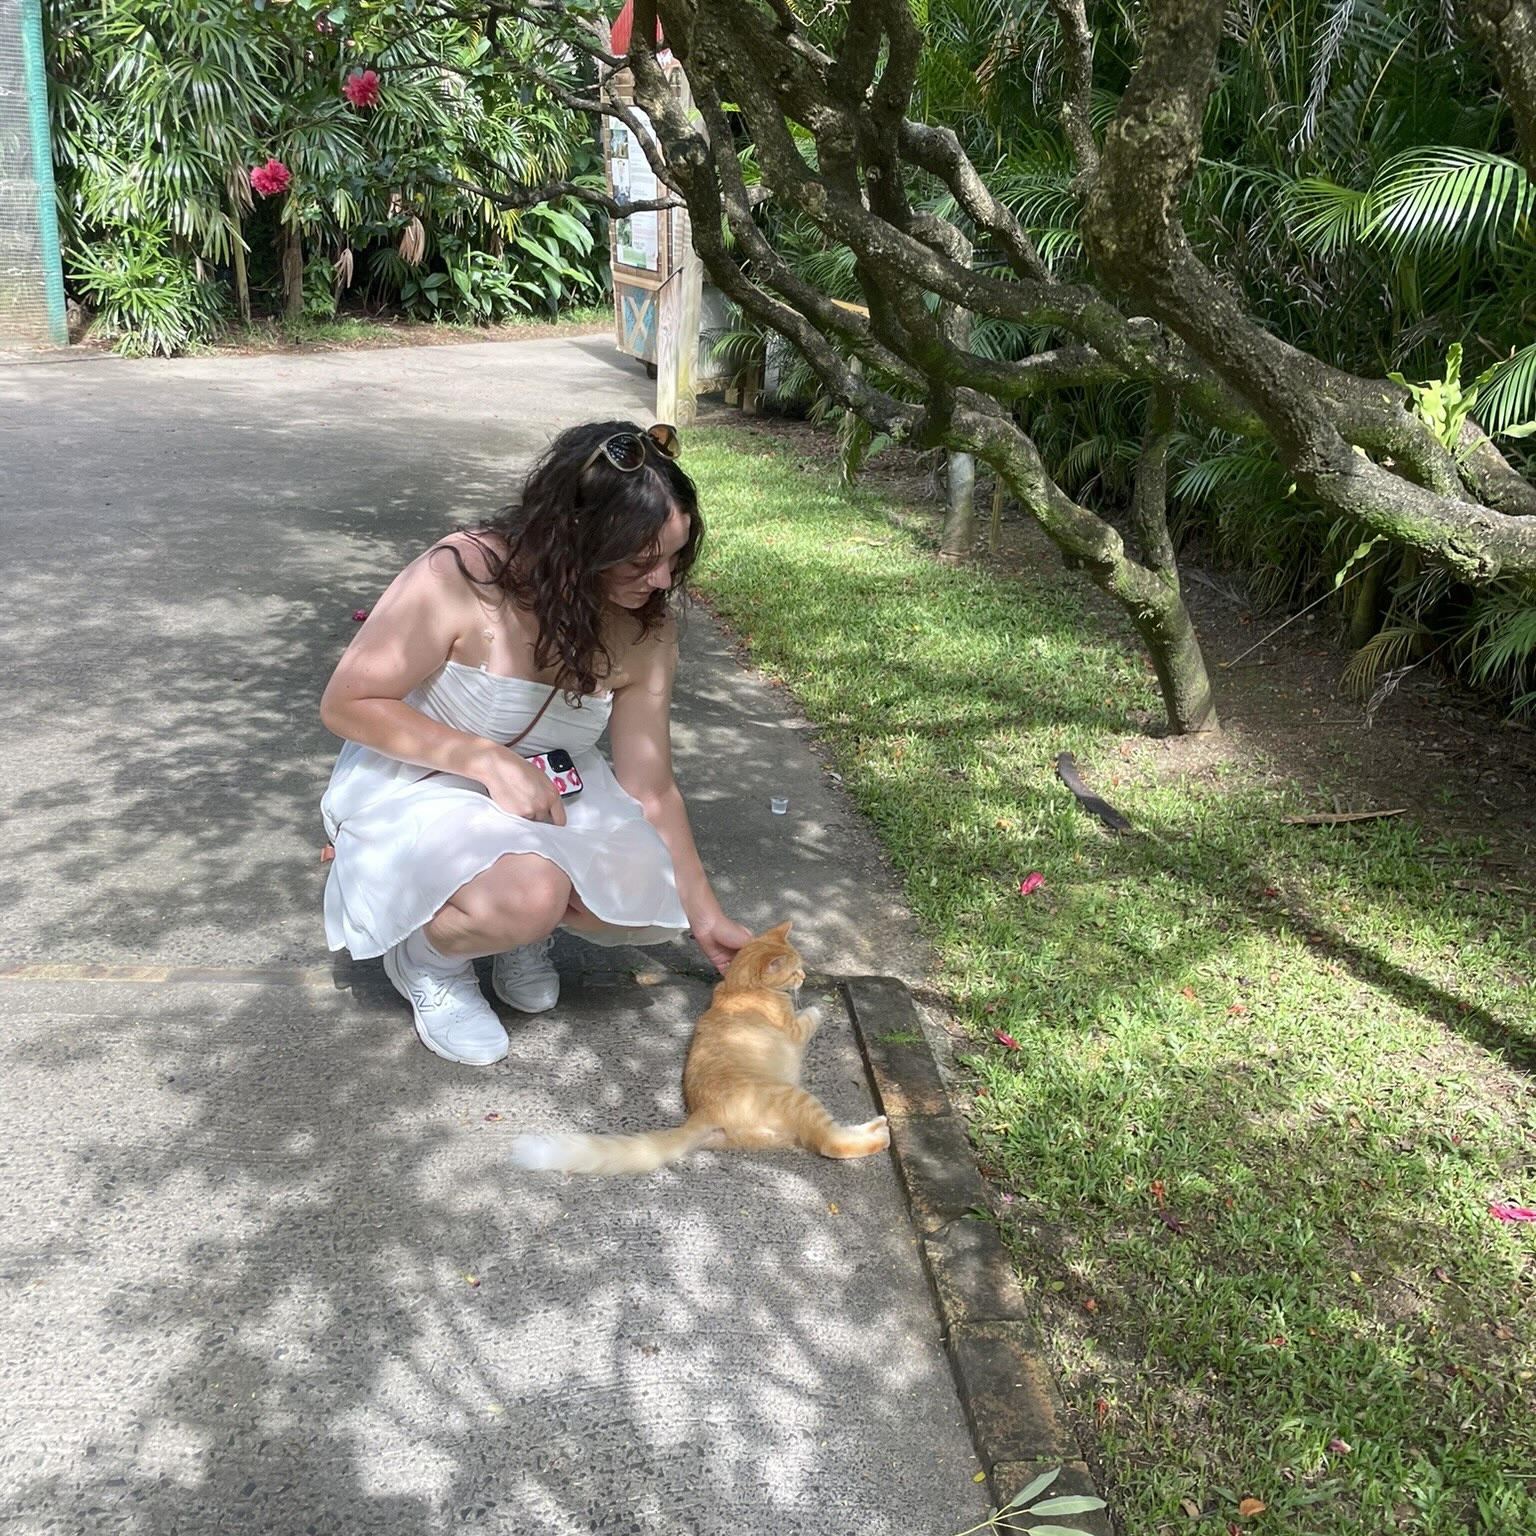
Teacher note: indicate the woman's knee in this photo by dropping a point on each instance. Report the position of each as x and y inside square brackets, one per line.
[522, 883]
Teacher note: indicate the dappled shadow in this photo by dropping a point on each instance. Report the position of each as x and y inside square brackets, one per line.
[274, 1261]
[186, 545]
[268, 1269]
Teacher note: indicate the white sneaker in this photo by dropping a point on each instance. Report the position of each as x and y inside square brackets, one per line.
[453, 1018]
[525, 978]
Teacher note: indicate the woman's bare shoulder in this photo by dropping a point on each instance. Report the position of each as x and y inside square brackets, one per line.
[638, 655]
[472, 554]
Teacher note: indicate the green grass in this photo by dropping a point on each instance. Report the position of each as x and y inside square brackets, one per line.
[1268, 1078]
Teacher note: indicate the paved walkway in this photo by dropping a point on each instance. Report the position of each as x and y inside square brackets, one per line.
[265, 1268]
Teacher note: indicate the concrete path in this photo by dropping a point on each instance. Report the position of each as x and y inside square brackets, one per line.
[264, 1266]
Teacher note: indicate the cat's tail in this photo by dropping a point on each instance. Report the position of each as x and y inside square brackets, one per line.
[574, 1153]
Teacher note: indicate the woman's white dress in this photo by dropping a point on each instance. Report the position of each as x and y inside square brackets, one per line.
[407, 838]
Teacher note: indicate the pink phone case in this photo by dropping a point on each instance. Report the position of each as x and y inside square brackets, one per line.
[566, 781]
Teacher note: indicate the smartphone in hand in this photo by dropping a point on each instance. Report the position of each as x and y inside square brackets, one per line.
[557, 766]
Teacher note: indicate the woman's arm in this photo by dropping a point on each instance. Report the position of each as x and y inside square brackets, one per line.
[640, 734]
[415, 626]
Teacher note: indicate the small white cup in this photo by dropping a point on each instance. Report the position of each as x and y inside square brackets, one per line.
[778, 804]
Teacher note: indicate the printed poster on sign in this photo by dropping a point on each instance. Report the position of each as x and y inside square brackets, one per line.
[637, 236]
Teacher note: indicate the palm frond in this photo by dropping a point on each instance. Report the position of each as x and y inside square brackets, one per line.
[1449, 198]
[1326, 218]
[1506, 397]
[1385, 651]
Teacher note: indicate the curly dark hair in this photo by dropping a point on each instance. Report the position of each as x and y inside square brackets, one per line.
[570, 529]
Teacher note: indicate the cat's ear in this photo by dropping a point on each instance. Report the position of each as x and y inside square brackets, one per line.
[781, 932]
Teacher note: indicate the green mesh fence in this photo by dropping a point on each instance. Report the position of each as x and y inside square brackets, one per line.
[31, 280]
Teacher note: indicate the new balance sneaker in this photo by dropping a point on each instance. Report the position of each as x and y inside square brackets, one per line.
[453, 1019]
[525, 978]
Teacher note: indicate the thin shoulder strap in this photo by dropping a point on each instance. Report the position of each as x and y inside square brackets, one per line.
[542, 707]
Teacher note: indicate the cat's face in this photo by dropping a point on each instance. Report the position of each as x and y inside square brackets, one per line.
[769, 960]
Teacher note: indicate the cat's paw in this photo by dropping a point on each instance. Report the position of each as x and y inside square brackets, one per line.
[861, 1140]
[810, 1019]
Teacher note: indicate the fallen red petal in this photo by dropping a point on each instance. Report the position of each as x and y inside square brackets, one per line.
[1007, 1040]
[359, 615]
[1511, 1212]
[1031, 883]
[1340, 1447]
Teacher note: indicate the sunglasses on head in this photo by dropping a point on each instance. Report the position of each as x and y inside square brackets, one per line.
[626, 450]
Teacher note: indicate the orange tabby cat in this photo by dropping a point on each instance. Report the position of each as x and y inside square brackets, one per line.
[741, 1082]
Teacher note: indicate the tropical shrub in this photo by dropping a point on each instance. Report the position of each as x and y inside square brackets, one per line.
[148, 298]
[282, 145]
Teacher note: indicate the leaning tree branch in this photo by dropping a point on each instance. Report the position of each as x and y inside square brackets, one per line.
[548, 191]
[938, 151]
[1509, 29]
[1137, 242]
[1077, 99]
[826, 314]
[697, 175]
[1490, 474]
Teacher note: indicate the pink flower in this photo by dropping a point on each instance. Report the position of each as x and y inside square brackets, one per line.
[360, 615]
[271, 178]
[1030, 884]
[361, 88]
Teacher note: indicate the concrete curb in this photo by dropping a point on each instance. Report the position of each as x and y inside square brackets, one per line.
[1017, 1417]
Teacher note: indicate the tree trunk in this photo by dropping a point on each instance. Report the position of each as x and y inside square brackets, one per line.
[1174, 649]
[242, 278]
[292, 250]
[959, 536]
[1165, 624]
[1148, 592]
[1509, 29]
[1362, 611]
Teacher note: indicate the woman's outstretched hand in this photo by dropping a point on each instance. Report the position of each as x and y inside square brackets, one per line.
[719, 938]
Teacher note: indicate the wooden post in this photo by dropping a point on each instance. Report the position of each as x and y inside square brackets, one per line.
[678, 305]
[677, 326]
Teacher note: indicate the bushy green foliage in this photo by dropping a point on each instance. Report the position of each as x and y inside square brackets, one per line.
[163, 107]
[148, 298]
